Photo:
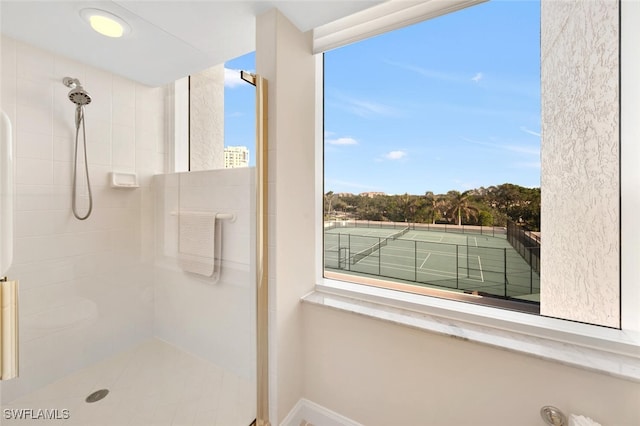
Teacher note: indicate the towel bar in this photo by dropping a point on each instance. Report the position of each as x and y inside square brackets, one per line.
[221, 216]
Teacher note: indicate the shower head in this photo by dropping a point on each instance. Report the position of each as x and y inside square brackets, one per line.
[77, 95]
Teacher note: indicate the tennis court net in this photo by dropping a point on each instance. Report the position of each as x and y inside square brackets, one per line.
[381, 243]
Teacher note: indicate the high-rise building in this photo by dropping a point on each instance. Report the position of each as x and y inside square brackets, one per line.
[236, 156]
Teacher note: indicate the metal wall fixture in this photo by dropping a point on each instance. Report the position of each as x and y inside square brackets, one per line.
[8, 329]
[553, 416]
[8, 289]
[262, 259]
[80, 98]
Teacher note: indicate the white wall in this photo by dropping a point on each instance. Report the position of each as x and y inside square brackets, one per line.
[85, 290]
[580, 161]
[215, 321]
[206, 118]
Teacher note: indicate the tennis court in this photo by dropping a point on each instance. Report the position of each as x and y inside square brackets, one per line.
[465, 262]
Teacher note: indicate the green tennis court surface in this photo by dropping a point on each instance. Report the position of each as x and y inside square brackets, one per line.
[464, 262]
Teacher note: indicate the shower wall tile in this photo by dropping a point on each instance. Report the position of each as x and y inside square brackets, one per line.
[33, 92]
[64, 67]
[34, 117]
[33, 63]
[35, 145]
[30, 171]
[99, 85]
[124, 100]
[8, 56]
[63, 148]
[62, 173]
[86, 286]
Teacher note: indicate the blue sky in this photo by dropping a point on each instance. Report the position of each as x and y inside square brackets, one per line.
[449, 103]
[239, 105]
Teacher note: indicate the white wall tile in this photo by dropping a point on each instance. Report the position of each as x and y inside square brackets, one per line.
[63, 148]
[34, 118]
[33, 63]
[32, 171]
[34, 145]
[56, 256]
[99, 85]
[124, 101]
[34, 93]
[8, 56]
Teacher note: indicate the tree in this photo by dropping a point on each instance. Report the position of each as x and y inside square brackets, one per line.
[329, 198]
[434, 202]
[459, 205]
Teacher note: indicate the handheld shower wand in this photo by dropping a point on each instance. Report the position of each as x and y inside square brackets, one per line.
[80, 98]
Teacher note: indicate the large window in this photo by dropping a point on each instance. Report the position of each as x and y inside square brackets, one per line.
[432, 157]
[381, 234]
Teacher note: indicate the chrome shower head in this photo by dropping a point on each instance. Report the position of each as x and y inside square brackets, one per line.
[77, 95]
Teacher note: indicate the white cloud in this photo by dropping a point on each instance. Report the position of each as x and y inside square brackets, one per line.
[395, 155]
[362, 107]
[368, 108]
[476, 78]
[526, 165]
[521, 149]
[232, 78]
[342, 141]
[531, 132]
[428, 73]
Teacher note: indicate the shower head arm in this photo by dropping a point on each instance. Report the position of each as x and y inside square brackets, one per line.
[71, 82]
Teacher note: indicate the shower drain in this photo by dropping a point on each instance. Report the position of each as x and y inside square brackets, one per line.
[97, 395]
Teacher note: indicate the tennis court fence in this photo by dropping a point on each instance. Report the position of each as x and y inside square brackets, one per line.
[497, 271]
[494, 231]
[526, 243]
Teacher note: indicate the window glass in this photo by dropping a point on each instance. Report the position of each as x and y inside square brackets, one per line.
[432, 155]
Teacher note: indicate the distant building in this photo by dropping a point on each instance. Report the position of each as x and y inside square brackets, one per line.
[371, 194]
[236, 156]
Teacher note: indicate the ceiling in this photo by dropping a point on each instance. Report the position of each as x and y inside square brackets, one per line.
[169, 39]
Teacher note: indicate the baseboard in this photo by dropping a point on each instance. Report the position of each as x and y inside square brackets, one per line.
[307, 413]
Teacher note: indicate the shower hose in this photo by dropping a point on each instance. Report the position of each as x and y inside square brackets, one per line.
[80, 120]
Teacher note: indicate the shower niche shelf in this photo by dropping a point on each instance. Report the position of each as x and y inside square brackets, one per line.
[124, 180]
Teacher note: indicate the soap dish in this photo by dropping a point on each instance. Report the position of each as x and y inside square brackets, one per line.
[124, 180]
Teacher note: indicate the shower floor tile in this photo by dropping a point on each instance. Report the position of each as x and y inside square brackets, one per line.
[153, 384]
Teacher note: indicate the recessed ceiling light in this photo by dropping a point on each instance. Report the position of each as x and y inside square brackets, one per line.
[105, 23]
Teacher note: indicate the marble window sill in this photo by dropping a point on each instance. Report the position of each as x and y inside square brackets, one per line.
[606, 351]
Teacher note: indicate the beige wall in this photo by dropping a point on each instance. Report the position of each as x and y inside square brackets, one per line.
[380, 374]
[374, 372]
[283, 57]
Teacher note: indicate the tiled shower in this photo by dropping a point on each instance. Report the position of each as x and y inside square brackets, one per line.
[93, 291]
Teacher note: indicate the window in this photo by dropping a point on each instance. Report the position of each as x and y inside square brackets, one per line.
[214, 118]
[432, 157]
[566, 293]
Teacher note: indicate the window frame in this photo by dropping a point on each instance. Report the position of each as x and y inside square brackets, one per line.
[613, 351]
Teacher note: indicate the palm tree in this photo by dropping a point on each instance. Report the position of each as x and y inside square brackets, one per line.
[329, 197]
[433, 201]
[459, 205]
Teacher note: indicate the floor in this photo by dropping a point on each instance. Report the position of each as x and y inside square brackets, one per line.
[153, 384]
